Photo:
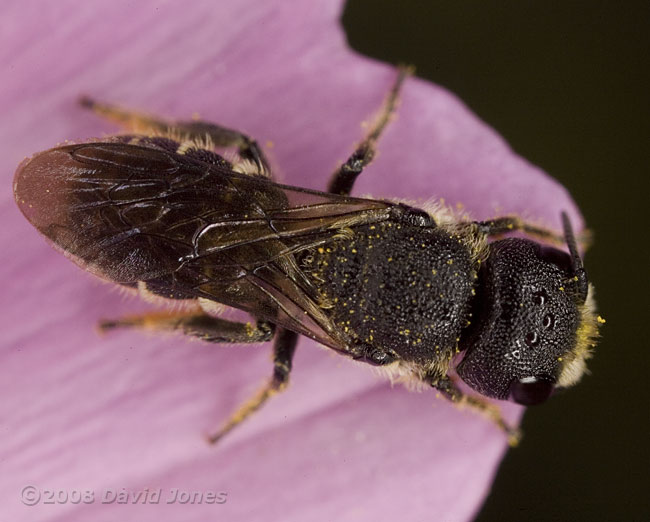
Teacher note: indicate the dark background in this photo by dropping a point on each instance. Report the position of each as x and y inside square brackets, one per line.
[566, 83]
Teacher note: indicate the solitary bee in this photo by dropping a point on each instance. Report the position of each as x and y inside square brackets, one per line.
[421, 293]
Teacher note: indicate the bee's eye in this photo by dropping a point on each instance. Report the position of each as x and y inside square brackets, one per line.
[557, 257]
[548, 321]
[531, 390]
[540, 297]
[532, 339]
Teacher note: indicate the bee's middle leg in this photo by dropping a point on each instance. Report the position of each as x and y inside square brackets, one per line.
[283, 349]
[286, 340]
[344, 177]
[216, 330]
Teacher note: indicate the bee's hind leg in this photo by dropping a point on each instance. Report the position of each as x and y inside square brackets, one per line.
[283, 350]
[344, 177]
[196, 324]
[193, 130]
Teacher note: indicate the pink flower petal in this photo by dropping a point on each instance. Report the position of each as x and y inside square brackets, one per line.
[128, 410]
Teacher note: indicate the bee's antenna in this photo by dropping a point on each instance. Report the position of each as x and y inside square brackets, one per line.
[579, 272]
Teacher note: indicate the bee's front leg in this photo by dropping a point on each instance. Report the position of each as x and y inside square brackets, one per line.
[491, 411]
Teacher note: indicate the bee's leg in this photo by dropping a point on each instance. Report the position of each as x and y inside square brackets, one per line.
[197, 324]
[344, 177]
[195, 130]
[504, 224]
[283, 350]
[482, 406]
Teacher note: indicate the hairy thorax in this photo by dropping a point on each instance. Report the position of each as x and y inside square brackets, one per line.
[397, 286]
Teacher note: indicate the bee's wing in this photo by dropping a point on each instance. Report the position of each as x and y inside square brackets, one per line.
[188, 229]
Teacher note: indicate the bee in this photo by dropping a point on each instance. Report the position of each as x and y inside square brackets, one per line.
[426, 295]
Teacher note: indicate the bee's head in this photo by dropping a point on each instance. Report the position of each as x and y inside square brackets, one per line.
[534, 322]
